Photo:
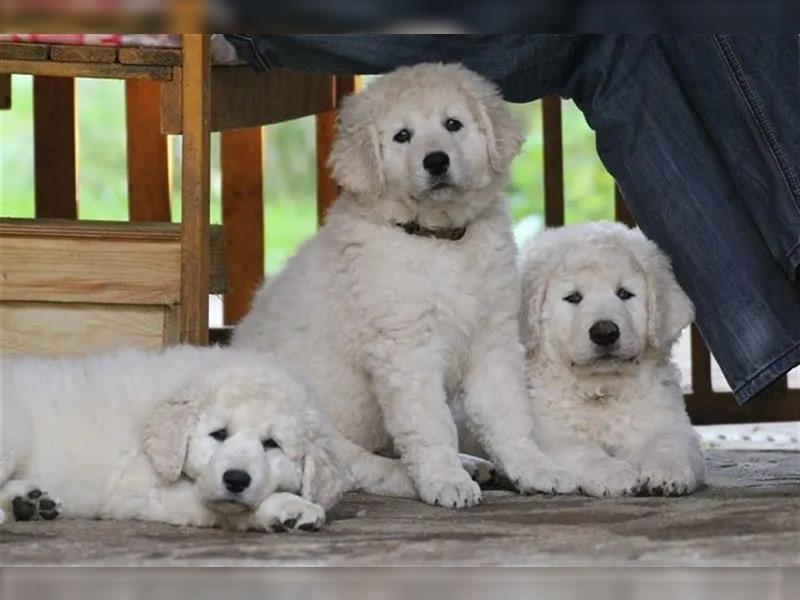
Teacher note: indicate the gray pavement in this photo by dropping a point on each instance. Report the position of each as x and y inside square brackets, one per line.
[749, 514]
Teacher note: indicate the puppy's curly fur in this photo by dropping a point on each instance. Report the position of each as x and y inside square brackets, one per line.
[611, 412]
[387, 326]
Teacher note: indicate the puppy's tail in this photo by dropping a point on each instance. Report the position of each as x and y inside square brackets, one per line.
[375, 474]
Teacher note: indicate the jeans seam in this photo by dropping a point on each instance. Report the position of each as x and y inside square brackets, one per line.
[253, 50]
[757, 111]
[763, 369]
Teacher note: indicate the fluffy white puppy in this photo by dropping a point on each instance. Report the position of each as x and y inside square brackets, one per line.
[600, 312]
[188, 436]
[408, 296]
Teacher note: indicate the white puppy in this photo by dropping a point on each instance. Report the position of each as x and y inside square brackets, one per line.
[601, 310]
[408, 296]
[188, 436]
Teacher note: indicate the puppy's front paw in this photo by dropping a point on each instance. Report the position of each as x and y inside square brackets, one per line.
[609, 478]
[667, 476]
[287, 512]
[538, 474]
[482, 471]
[454, 490]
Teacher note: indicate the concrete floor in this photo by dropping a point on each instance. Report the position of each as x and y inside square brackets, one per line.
[749, 514]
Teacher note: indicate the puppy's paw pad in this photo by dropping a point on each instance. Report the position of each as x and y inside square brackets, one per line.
[36, 505]
[458, 493]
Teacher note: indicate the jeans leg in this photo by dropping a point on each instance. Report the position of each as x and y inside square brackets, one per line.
[701, 182]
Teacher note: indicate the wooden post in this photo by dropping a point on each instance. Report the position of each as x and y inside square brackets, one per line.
[148, 156]
[327, 190]
[54, 147]
[5, 91]
[243, 217]
[701, 366]
[196, 96]
[621, 212]
[553, 162]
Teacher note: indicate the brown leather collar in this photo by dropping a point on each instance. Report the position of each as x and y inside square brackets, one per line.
[414, 228]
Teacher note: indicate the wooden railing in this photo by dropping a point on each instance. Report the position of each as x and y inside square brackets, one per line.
[705, 405]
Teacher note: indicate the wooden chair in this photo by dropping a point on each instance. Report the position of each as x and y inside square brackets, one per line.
[173, 91]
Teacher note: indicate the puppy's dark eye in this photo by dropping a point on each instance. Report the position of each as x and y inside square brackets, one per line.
[402, 137]
[270, 443]
[624, 294]
[574, 298]
[219, 434]
[453, 125]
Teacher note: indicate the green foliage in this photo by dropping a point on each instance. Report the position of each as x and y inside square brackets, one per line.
[290, 167]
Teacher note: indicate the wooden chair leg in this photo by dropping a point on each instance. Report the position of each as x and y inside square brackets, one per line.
[327, 190]
[196, 98]
[243, 217]
[5, 91]
[148, 157]
[553, 162]
[54, 147]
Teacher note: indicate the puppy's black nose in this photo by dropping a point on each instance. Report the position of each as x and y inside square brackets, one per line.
[604, 333]
[235, 480]
[436, 163]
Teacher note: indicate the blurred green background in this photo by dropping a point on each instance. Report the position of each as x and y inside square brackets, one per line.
[290, 168]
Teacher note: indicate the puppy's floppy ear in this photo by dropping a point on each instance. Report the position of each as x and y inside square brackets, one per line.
[165, 436]
[669, 309]
[324, 476]
[503, 133]
[355, 159]
[537, 261]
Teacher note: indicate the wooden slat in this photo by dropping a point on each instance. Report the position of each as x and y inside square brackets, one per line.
[220, 336]
[79, 69]
[717, 408]
[242, 97]
[327, 189]
[23, 51]
[54, 147]
[148, 156]
[89, 54]
[49, 329]
[91, 261]
[701, 365]
[84, 270]
[553, 162]
[5, 92]
[167, 57]
[621, 212]
[196, 116]
[242, 217]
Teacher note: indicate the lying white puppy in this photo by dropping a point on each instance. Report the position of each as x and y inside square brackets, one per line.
[601, 310]
[408, 297]
[188, 436]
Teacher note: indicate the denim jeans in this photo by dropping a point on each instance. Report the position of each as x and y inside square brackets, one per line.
[702, 133]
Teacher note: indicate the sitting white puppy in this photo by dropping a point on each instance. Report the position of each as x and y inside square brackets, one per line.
[188, 436]
[408, 297]
[600, 312]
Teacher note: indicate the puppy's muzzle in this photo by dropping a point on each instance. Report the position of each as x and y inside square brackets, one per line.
[604, 333]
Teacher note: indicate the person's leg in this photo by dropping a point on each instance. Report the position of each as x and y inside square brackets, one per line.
[707, 166]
